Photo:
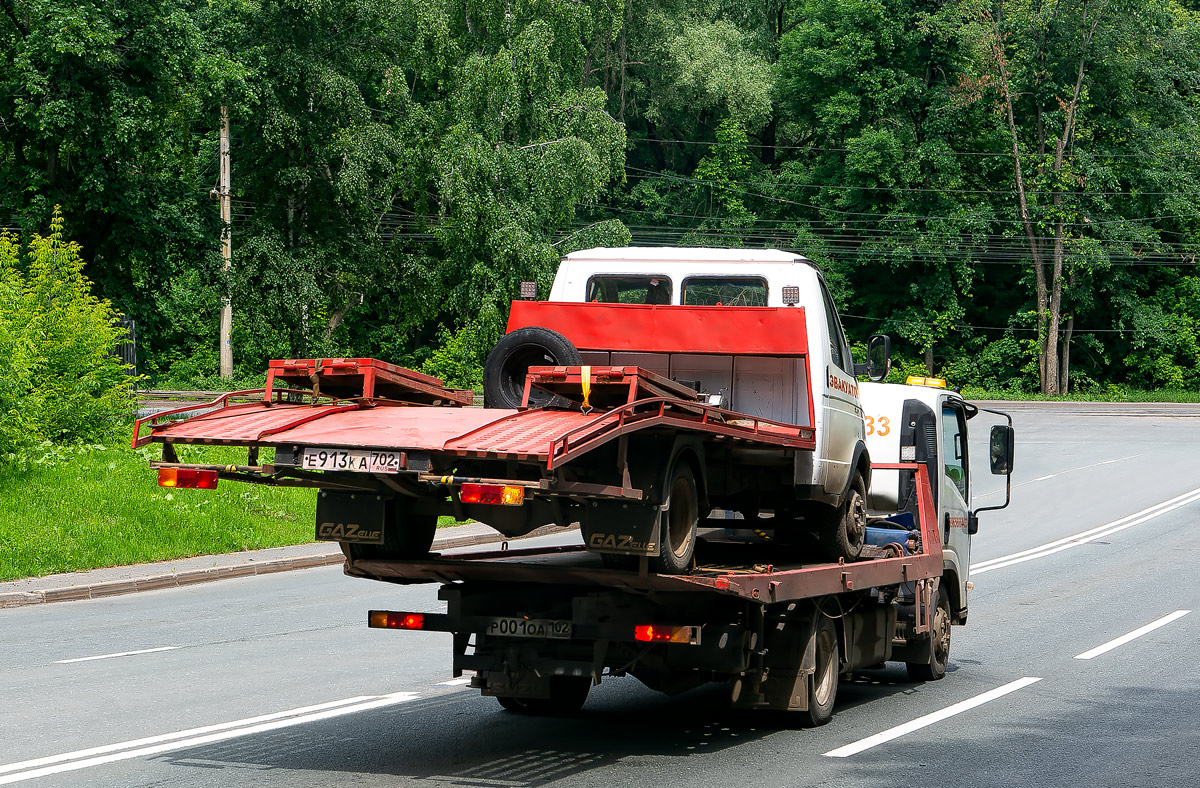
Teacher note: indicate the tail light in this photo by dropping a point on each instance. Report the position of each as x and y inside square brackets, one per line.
[187, 478]
[504, 495]
[649, 633]
[386, 619]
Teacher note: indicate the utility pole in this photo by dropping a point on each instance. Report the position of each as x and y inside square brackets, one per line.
[226, 248]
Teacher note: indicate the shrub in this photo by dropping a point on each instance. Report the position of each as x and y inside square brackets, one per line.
[59, 378]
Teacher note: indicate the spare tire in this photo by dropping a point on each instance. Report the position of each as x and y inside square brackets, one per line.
[505, 368]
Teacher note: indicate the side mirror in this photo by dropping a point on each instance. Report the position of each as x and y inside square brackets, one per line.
[879, 358]
[1000, 449]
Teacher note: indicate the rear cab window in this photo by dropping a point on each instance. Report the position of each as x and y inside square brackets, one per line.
[629, 290]
[724, 291]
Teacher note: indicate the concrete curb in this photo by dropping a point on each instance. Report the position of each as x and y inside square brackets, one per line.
[156, 581]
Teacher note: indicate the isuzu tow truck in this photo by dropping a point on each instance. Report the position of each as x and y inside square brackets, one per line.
[749, 511]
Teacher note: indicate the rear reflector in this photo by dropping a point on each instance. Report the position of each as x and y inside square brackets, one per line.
[386, 619]
[657, 634]
[505, 495]
[188, 478]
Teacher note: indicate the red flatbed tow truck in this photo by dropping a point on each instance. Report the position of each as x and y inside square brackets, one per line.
[750, 512]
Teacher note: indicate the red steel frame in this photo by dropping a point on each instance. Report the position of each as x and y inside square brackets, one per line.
[770, 586]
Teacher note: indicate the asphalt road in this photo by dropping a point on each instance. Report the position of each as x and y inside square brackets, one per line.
[276, 681]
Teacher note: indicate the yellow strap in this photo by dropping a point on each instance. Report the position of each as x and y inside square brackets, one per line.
[585, 373]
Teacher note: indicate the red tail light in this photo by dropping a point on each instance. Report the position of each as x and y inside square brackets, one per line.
[187, 478]
[657, 634]
[505, 495]
[386, 619]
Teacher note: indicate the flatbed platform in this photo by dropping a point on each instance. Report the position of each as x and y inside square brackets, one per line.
[742, 570]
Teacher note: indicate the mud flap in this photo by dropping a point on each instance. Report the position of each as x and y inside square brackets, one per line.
[621, 528]
[350, 517]
[790, 659]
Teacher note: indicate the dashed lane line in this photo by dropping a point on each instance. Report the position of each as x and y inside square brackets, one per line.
[1134, 635]
[118, 654]
[930, 719]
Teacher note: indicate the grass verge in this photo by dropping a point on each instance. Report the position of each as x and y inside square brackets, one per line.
[98, 507]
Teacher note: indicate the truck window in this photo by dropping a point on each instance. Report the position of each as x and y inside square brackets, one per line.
[837, 340]
[629, 289]
[724, 291]
[954, 449]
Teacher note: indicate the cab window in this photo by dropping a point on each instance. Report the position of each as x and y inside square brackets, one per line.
[838, 351]
[954, 449]
[629, 289]
[724, 291]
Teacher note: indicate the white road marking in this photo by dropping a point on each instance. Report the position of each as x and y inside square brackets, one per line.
[453, 683]
[152, 745]
[930, 719]
[1134, 635]
[1137, 518]
[118, 654]
[1059, 473]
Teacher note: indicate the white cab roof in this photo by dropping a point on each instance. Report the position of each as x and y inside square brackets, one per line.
[648, 254]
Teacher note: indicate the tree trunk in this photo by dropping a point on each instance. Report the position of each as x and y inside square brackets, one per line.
[929, 361]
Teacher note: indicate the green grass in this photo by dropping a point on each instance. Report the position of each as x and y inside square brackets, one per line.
[1107, 394]
[103, 507]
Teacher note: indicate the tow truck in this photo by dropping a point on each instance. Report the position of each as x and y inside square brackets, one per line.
[749, 512]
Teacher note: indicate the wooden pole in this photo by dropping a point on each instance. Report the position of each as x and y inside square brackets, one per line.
[226, 248]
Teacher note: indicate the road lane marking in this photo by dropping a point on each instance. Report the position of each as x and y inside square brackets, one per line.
[1059, 473]
[1050, 548]
[118, 654]
[453, 683]
[1134, 635]
[195, 741]
[191, 732]
[930, 719]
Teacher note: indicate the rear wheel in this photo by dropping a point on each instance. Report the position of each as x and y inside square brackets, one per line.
[677, 525]
[843, 534]
[939, 645]
[823, 682]
[567, 696]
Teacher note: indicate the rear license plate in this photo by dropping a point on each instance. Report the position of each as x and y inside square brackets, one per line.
[357, 460]
[511, 627]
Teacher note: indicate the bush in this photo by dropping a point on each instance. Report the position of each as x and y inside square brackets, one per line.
[59, 378]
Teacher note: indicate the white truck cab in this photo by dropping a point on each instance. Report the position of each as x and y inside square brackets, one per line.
[927, 423]
[776, 388]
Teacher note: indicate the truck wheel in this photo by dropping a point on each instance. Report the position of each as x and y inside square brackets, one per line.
[823, 682]
[567, 696]
[405, 536]
[677, 531]
[939, 645]
[843, 534]
[505, 368]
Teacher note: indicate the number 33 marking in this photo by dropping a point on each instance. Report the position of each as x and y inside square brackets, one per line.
[884, 426]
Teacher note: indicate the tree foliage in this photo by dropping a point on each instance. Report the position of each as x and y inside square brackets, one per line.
[59, 378]
[1009, 188]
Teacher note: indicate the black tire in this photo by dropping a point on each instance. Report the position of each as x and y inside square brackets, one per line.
[505, 368]
[843, 534]
[405, 535]
[939, 645]
[823, 681]
[677, 524]
[567, 696]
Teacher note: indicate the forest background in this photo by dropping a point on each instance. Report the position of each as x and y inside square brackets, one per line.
[1010, 189]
